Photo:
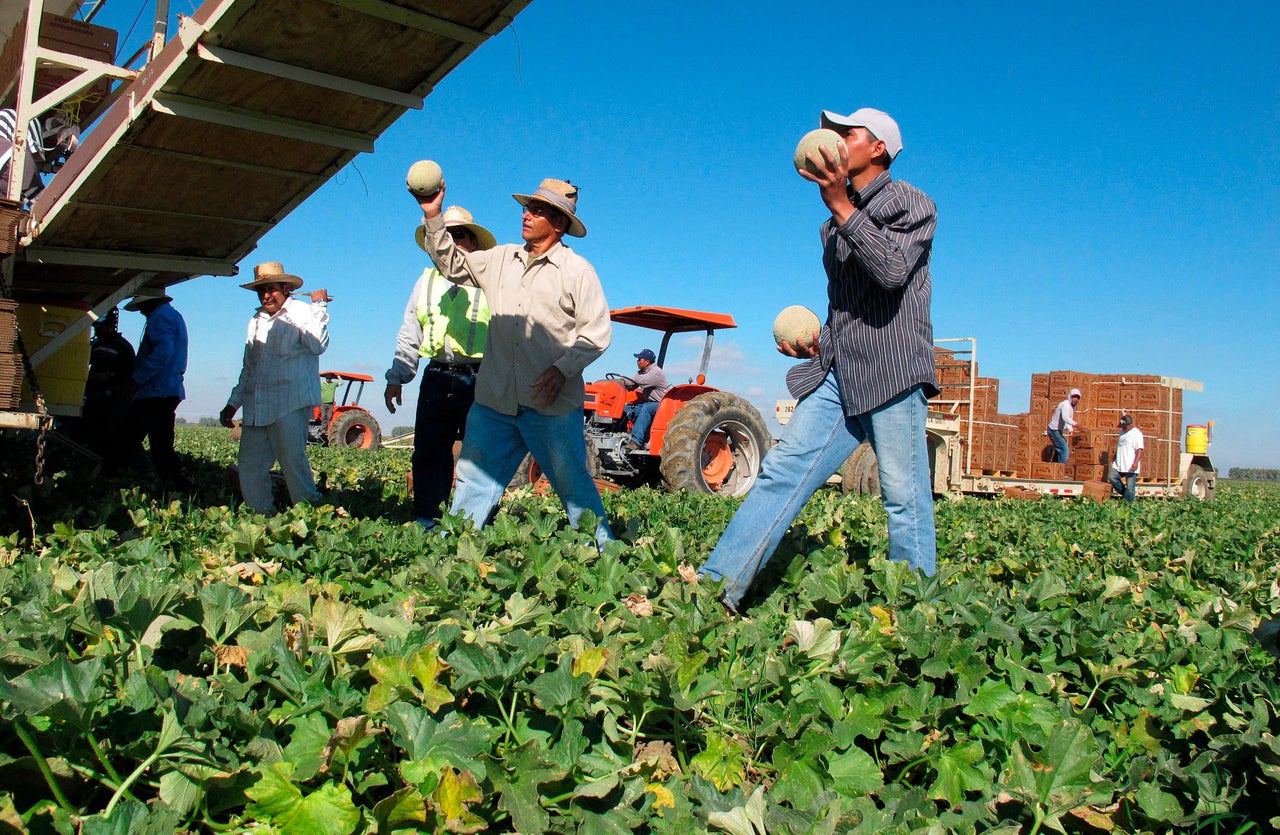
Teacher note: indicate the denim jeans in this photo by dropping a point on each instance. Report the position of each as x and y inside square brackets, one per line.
[644, 413]
[1060, 447]
[1126, 484]
[495, 445]
[444, 399]
[814, 444]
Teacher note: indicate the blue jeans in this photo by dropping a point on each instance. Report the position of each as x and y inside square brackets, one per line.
[644, 413]
[1060, 448]
[1126, 484]
[494, 446]
[814, 444]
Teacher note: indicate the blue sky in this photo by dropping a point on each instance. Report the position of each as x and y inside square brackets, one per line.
[1106, 178]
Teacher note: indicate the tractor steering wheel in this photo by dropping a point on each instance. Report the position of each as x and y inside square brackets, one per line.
[621, 377]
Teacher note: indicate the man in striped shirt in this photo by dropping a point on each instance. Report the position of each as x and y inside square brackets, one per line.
[869, 374]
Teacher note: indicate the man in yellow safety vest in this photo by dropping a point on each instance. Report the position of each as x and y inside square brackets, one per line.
[447, 323]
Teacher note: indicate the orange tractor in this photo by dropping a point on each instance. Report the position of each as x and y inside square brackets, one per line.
[349, 424]
[702, 439]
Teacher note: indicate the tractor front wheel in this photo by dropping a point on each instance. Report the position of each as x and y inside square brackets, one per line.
[860, 474]
[355, 428]
[714, 444]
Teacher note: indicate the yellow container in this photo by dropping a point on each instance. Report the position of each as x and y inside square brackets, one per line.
[62, 376]
[1197, 439]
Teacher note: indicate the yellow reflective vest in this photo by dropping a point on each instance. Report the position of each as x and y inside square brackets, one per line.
[453, 314]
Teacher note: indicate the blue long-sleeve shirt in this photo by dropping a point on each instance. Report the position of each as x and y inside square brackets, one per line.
[162, 355]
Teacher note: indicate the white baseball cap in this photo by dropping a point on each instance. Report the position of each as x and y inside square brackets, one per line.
[880, 124]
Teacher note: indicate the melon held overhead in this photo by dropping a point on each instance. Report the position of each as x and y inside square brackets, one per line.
[424, 178]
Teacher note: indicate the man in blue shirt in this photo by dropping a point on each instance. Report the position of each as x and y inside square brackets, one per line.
[157, 378]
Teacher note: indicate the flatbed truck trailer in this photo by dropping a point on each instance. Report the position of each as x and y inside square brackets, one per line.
[954, 471]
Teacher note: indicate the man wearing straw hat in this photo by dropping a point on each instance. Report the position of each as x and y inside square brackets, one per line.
[447, 323]
[157, 376]
[278, 387]
[549, 321]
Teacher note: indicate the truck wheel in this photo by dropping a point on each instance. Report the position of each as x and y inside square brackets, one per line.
[714, 444]
[1197, 484]
[529, 472]
[355, 428]
[860, 474]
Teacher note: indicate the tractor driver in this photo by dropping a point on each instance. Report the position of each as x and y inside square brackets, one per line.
[448, 324]
[279, 386]
[651, 382]
[328, 394]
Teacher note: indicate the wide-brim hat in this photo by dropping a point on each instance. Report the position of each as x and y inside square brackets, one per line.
[272, 272]
[136, 303]
[561, 195]
[456, 216]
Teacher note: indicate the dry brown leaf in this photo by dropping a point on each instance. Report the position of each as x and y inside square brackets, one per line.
[231, 656]
[639, 605]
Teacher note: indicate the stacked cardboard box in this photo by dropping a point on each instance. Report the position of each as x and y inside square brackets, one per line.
[1016, 444]
[10, 360]
[70, 36]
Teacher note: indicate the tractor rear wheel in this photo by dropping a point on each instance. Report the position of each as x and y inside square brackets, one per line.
[714, 444]
[355, 428]
[860, 474]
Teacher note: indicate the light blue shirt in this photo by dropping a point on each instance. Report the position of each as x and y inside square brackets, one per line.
[162, 355]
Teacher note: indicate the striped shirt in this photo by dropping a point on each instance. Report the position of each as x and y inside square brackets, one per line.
[878, 333]
[281, 371]
[9, 120]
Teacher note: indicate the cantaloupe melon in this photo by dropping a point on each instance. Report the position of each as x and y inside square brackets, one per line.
[795, 323]
[424, 178]
[813, 140]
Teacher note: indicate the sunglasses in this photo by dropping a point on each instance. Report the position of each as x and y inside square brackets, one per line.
[542, 210]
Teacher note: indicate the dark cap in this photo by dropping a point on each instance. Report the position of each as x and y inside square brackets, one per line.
[1125, 420]
[646, 354]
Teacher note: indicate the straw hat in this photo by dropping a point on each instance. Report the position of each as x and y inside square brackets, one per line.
[272, 272]
[559, 194]
[149, 295]
[456, 216]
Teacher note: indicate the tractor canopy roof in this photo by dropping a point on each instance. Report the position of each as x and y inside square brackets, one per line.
[347, 375]
[671, 319]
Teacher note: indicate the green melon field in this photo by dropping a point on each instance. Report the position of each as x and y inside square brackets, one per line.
[177, 664]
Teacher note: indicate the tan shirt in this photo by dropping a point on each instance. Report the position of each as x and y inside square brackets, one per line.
[543, 311]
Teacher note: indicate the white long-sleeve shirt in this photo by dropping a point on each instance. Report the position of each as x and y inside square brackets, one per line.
[281, 371]
[1063, 418]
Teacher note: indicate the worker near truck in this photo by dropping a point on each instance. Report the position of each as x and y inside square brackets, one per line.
[550, 320]
[1128, 461]
[868, 375]
[650, 381]
[446, 323]
[107, 390]
[1061, 424]
[158, 372]
[279, 386]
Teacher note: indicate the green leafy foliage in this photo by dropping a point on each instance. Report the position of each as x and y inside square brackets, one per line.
[172, 663]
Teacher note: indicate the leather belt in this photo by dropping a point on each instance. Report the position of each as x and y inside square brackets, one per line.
[454, 367]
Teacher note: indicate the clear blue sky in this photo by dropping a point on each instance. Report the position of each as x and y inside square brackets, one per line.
[1106, 178]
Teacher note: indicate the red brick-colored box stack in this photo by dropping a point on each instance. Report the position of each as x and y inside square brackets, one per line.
[1015, 445]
